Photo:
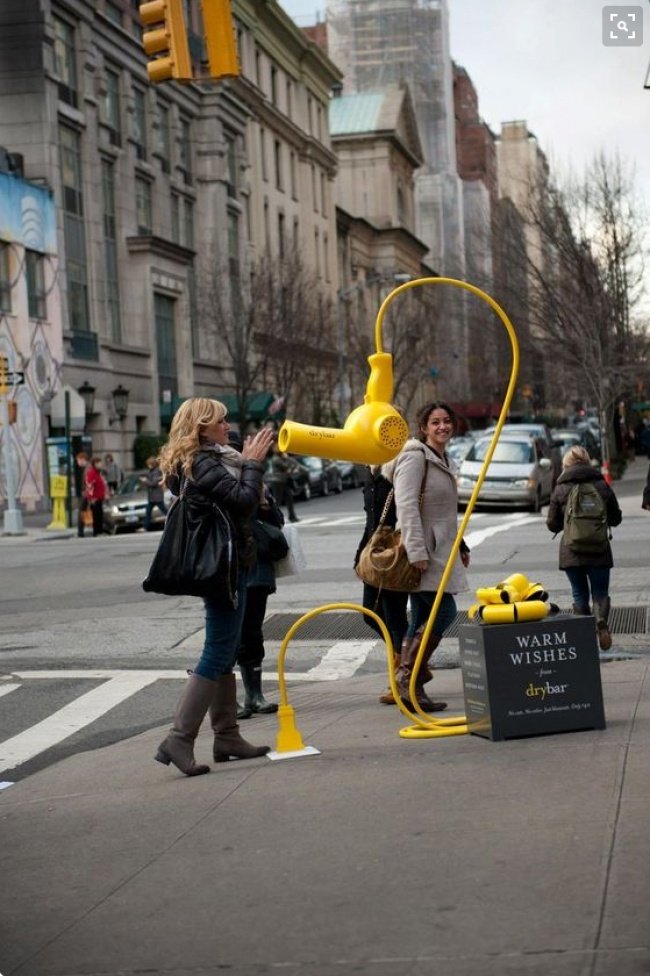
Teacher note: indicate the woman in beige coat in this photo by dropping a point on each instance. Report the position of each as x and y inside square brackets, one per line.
[428, 531]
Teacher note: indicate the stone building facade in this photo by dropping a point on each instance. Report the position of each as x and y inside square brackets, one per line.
[149, 181]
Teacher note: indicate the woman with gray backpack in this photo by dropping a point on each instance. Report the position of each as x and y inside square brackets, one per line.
[583, 508]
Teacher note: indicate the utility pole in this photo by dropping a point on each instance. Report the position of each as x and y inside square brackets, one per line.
[13, 518]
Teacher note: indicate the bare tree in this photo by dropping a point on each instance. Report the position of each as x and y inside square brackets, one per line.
[584, 269]
[274, 325]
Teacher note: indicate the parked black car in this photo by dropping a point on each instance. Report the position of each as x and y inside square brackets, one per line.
[300, 481]
[324, 475]
[352, 475]
[584, 436]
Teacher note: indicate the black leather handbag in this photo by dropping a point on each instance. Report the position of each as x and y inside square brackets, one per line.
[197, 553]
[270, 540]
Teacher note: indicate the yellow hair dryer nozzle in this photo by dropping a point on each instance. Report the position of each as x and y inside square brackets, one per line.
[373, 433]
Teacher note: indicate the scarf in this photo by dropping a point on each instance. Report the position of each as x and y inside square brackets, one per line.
[231, 459]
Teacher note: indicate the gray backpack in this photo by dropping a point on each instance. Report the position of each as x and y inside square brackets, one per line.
[585, 520]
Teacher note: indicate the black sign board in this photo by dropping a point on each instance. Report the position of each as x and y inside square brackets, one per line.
[531, 678]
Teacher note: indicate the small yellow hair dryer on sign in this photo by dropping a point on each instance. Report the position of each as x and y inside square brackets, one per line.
[373, 433]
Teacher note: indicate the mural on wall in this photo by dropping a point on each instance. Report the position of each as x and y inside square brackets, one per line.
[33, 346]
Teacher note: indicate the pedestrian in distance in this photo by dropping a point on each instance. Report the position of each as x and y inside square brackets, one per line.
[112, 473]
[426, 501]
[198, 459]
[155, 491]
[583, 507]
[260, 585]
[390, 605]
[283, 468]
[95, 493]
[83, 510]
[646, 493]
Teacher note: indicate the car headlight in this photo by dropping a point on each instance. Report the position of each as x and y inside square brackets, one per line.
[524, 483]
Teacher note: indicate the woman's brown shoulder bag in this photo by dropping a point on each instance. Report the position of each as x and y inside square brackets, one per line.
[383, 562]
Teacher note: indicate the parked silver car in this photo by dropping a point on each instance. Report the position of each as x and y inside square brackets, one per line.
[125, 510]
[552, 448]
[519, 475]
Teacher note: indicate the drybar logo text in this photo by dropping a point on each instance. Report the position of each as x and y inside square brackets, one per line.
[545, 649]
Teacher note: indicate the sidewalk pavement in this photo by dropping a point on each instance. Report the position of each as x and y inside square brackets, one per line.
[382, 856]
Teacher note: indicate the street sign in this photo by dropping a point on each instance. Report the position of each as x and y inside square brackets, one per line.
[13, 377]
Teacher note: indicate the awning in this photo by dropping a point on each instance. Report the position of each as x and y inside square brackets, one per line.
[257, 405]
[477, 409]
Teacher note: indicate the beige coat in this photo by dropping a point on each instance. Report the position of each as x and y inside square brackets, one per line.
[429, 532]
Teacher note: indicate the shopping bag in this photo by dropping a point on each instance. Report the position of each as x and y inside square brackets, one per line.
[295, 560]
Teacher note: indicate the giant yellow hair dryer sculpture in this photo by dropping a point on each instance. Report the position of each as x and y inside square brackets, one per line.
[373, 433]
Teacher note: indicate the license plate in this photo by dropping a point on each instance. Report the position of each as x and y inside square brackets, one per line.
[131, 518]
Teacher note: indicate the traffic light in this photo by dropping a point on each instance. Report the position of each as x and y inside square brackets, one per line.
[220, 38]
[166, 40]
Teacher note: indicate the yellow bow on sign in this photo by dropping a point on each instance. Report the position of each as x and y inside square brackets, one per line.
[515, 598]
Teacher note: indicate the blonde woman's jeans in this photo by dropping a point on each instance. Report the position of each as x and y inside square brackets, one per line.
[222, 635]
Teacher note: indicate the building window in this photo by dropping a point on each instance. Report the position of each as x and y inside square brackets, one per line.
[164, 144]
[274, 85]
[281, 234]
[323, 194]
[233, 245]
[292, 176]
[296, 233]
[289, 98]
[114, 14]
[310, 122]
[110, 251]
[186, 149]
[258, 68]
[143, 205]
[5, 278]
[267, 227]
[314, 188]
[75, 243]
[326, 257]
[176, 218]
[231, 165]
[317, 251]
[188, 223]
[319, 122]
[165, 321]
[140, 123]
[279, 183]
[35, 268]
[112, 106]
[65, 63]
[265, 174]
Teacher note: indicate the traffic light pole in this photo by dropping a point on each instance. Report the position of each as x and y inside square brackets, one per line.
[13, 518]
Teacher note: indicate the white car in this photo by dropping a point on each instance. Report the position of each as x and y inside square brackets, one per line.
[519, 475]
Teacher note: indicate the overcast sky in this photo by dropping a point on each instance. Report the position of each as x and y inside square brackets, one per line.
[545, 62]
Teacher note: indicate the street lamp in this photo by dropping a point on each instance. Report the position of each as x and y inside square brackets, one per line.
[87, 394]
[120, 401]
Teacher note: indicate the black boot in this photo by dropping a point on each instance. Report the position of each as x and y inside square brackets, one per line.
[255, 700]
[243, 711]
[223, 715]
[601, 611]
[580, 611]
[178, 747]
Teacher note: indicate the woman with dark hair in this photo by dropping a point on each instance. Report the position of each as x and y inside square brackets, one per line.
[427, 515]
[198, 460]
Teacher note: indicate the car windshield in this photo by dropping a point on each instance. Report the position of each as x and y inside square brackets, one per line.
[507, 452]
[130, 484]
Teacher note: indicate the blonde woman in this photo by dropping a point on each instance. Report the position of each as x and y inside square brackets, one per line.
[199, 459]
[588, 573]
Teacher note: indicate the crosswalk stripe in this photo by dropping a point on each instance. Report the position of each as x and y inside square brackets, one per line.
[341, 660]
[5, 689]
[72, 717]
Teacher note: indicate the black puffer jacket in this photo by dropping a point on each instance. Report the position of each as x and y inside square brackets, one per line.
[555, 518]
[238, 498]
[376, 489]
